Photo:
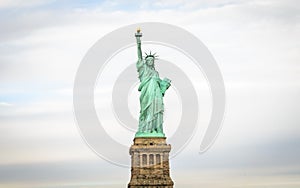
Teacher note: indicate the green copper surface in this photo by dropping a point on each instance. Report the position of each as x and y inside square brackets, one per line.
[152, 90]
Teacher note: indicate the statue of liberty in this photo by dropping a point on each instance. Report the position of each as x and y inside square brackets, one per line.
[152, 90]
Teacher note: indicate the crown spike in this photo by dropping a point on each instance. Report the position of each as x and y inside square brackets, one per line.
[151, 55]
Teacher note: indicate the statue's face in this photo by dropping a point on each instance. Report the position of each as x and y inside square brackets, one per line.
[150, 61]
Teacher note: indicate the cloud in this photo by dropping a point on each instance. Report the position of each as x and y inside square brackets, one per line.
[254, 42]
[22, 4]
[5, 104]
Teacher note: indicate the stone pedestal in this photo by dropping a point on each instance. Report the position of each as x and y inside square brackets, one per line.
[150, 163]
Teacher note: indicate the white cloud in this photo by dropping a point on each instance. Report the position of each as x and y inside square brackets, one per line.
[20, 3]
[5, 104]
[255, 44]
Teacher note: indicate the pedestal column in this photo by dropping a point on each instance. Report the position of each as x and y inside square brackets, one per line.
[154, 172]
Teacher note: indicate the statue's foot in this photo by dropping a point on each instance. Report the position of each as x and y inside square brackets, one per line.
[152, 134]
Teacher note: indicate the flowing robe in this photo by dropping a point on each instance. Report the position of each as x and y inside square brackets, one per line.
[152, 90]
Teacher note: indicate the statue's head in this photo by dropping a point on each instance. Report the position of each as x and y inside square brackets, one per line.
[150, 59]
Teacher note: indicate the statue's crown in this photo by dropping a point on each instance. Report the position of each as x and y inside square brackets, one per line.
[150, 55]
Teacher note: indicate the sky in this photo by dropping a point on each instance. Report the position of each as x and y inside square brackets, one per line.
[255, 44]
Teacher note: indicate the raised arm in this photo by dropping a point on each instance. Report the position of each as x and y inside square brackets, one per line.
[138, 36]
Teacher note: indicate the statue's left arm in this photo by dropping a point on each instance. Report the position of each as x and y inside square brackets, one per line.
[164, 85]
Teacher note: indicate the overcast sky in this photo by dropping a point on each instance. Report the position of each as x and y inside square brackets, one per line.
[255, 43]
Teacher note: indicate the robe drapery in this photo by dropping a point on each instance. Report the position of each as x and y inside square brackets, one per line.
[152, 90]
